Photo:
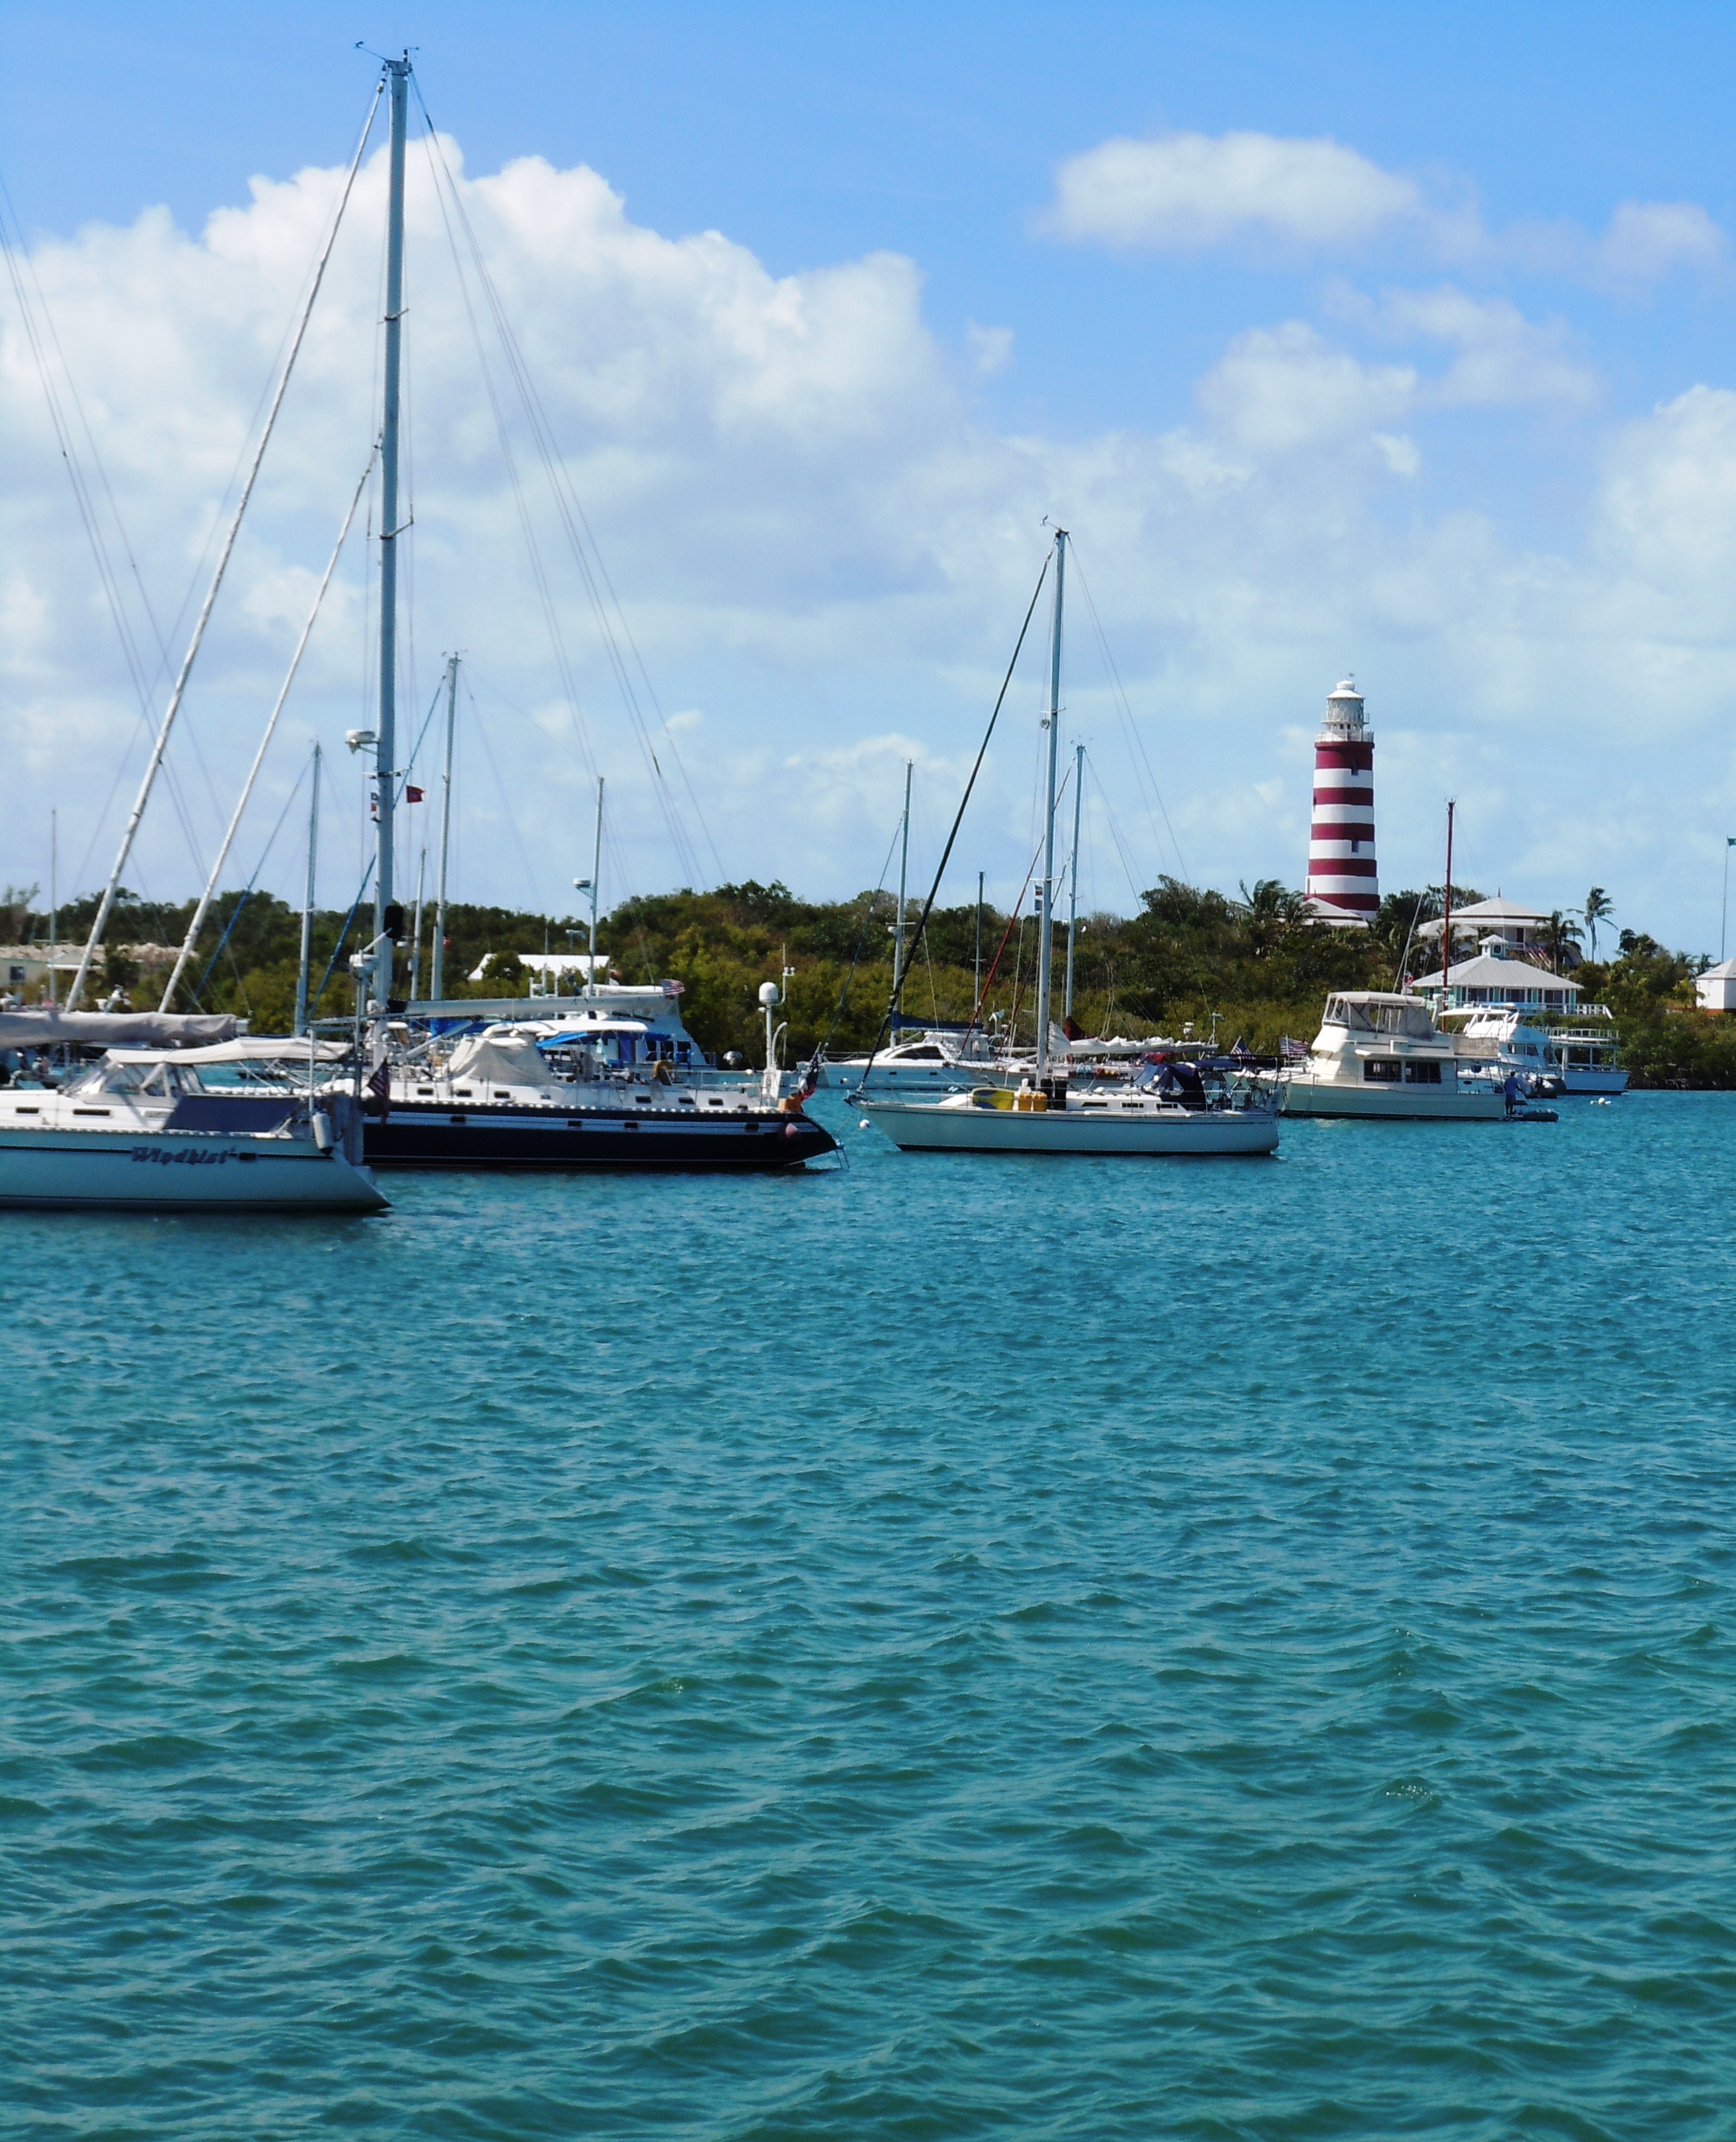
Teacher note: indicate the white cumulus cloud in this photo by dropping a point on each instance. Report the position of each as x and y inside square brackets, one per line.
[1182, 193]
[1315, 198]
[822, 548]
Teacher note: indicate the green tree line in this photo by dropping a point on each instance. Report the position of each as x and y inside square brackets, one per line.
[1256, 960]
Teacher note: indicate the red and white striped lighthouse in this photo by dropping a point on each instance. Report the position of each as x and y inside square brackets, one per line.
[1341, 869]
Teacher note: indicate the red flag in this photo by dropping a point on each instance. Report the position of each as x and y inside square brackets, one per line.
[412, 795]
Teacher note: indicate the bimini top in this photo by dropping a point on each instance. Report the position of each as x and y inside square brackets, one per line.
[1379, 1011]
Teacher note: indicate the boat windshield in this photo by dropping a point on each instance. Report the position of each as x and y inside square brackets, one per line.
[1382, 1016]
[163, 1080]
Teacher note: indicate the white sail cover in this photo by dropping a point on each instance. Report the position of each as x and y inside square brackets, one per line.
[491, 1059]
[117, 1029]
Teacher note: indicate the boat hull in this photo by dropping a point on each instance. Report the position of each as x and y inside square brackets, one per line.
[637, 1140]
[1213, 1133]
[1310, 1097]
[924, 1080]
[178, 1171]
[1583, 1082]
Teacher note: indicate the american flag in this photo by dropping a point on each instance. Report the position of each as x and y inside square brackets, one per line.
[1292, 1052]
[379, 1084]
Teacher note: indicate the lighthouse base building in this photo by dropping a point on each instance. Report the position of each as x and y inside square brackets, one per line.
[1344, 883]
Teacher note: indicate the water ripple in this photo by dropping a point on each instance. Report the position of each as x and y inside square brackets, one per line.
[1215, 1651]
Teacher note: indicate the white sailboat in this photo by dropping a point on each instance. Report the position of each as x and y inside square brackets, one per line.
[1160, 1115]
[169, 1130]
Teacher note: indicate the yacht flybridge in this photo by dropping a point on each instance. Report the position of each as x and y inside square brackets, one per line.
[1380, 1054]
[1169, 1110]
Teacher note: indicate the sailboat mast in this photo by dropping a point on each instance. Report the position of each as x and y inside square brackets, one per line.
[904, 860]
[398, 76]
[54, 901]
[422, 872]
[307, 933]
[976, 999]
[590, 972]
[437, 963]
[1073, 881]
[1045, 936]
[1447, 909]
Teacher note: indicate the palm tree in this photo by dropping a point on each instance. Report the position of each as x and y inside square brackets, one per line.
[1599, 908]
[1558, 933]
[1269, 913]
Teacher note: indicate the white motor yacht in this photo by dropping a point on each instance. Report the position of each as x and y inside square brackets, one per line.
[170, 1130]
[1495, 1041]
[1381, 1054]
[1588, 1059]
[932, 1064]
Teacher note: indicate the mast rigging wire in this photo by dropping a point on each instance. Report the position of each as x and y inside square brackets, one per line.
[506, 800]
[247, 893]
[38, 339]
[360, 895]
[539, 572]
[898, 981]
[199, 631]
[1013, 920]
[572, 517]
[253, 772]
[856, 956]
[1131, 726]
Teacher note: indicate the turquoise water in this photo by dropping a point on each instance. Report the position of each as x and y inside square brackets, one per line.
[955, 1647]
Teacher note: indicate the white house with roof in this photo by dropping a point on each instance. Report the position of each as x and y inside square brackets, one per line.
[1715, 990]
[1490, 979]
[1520, 928]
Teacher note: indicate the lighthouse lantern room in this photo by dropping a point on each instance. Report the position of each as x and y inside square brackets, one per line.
[1342, 878]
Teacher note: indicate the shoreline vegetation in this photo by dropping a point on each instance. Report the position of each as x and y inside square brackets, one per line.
[1254, 960]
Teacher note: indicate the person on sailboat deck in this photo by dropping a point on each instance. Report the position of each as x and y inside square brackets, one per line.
[1181, 1082]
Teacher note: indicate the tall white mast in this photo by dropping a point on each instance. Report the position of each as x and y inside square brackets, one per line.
[1073, 881]
[904, 858]
[590, 975]
[437, 963]
[422, 872]
[307, 933]
[1045, 936]
[387, 919]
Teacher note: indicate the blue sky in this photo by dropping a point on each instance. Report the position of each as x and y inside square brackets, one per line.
[1525, 561]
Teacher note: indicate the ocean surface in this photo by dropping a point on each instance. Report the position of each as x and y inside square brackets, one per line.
[951, 1647]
